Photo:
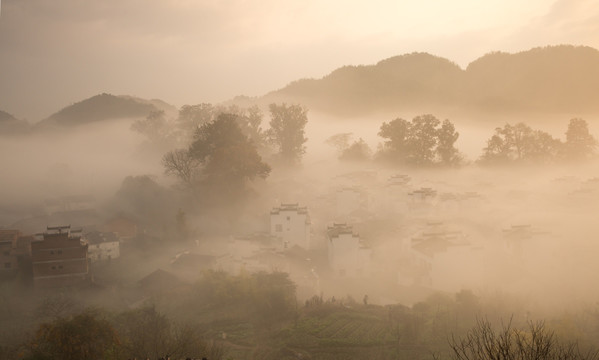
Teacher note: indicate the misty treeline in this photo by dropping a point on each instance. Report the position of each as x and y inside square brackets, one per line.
[226, 146]
[219, 150]
[257, 316]
[426, 141]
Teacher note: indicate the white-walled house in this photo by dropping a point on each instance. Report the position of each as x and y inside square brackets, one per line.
[102, 245]
[348, 257]
[291, 224]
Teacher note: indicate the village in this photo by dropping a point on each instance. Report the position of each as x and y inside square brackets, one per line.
[381, 234]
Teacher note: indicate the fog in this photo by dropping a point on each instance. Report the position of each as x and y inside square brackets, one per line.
[95, 159]
[523, 235]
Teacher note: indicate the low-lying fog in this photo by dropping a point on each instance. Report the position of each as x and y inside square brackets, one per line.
[527, 231]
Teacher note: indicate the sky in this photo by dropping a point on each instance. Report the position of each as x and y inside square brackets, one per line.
[57, 52]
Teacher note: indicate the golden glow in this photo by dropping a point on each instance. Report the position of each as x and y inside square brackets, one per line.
[187, 51]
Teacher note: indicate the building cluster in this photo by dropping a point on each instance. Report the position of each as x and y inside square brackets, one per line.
[59, 256]
[357, 230]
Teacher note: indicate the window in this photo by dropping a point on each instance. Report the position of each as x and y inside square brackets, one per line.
[7, 265]
[7, 253]
[53, 267]
[60, 251]
[60, 266]
[288, 218]
[278, 228]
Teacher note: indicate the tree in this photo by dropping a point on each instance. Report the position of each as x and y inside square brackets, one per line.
[520, 143]
[482, 342]
[357, 151]
[287, 130]
[84, 336]
[580, 144]
[228, 159]
[422, 139]
[340, 141]
[146, 333]
[181, 164]
[191, 117]
[250, 122]
[421, 142]
[397, 132]
[446, 150]
[156, 128]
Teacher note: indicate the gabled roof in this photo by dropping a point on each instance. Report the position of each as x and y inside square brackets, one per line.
[339, 229]
[98, 237]
[290, 207]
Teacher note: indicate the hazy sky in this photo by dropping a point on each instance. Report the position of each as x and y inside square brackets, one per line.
[56, 52]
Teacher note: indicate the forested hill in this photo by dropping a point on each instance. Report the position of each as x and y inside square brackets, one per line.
[101, 107]
[10, 125]
[550, 79]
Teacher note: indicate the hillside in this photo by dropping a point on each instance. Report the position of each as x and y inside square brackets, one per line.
[11, 125]
[550, 79]
[99, 108]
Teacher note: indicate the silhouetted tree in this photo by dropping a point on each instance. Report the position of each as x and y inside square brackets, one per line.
[250, 122]
[287, 130]
[422, 141]
[446, 151]
[191, 117]
[181, 164]
[156, 128]
[357, 151]
[517, 143]
[483, 342]
[228, 159]
[580, 144]
[397, 132]
[340, 141]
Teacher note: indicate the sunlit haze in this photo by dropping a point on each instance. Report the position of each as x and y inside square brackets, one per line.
[185, 52]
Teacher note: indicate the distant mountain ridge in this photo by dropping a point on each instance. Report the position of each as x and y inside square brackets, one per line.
[6, 117]
[100, 108]
[550, 79]
[11, 125]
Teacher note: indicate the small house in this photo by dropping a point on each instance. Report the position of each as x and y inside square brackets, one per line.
[59, 259]
[291, 224]
[348, 257]
[102, 245]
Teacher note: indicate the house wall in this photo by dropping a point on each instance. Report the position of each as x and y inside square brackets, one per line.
[104, 251]
[292, 227]
[59, 260]
[8, 258]
[346, 257]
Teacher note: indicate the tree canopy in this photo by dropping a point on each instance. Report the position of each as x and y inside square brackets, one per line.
[84, 336]
[580, 144]
[422, 141]
[221, 158]
[521, 144]
[287, 130]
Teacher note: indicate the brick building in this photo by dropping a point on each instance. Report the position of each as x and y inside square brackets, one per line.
[60, 259]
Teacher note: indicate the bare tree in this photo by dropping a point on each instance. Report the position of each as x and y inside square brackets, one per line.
[182, 165]
[483, 342]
